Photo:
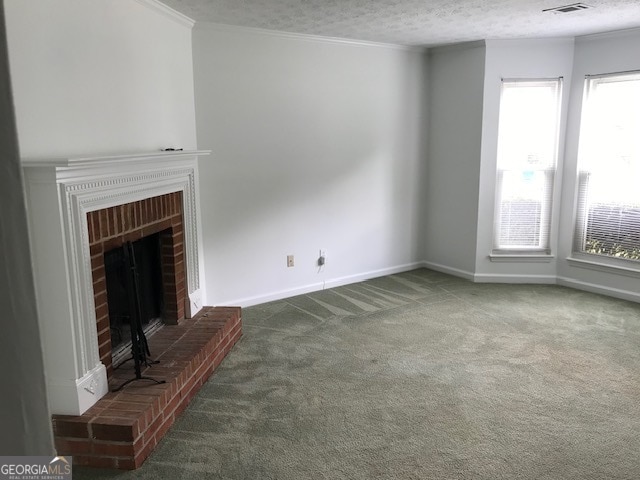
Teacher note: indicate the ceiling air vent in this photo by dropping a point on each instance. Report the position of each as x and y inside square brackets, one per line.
[574, 7]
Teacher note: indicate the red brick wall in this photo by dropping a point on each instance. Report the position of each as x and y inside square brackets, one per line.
[111, 228]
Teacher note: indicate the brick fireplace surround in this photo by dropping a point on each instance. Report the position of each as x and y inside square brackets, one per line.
[112, 227]
[80, 208]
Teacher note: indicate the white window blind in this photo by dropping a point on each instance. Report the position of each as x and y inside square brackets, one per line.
[526, 163]
[608, 217]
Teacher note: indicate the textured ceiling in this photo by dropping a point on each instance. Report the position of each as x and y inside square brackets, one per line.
[416, 22]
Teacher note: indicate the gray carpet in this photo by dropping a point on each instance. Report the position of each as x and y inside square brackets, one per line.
[418, 376]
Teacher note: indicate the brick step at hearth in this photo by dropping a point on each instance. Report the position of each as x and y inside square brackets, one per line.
[123, 428]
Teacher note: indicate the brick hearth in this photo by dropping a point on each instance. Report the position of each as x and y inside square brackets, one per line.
[122, 428]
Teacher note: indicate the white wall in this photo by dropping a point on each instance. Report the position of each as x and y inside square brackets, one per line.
[528, 59]
[595, 54]
[316, 145]
[99, 76]
[456, 76]
[26, 424]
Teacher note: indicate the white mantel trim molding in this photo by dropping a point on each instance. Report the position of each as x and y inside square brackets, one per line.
[60, 193]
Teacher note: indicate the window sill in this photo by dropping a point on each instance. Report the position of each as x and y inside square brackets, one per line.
[521, 257]
[604, 267]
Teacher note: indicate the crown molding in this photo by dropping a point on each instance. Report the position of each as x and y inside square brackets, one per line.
[529, 42]
[627, 32]
[305, 37]
[169, 12]
[457, 46]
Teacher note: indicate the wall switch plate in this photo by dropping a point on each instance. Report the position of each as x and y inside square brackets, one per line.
[289, 260]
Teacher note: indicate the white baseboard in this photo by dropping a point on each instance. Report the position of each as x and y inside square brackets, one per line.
[514, 278]
[316, 286]
[273, 296]
[450, 270]
[361, 277]
[478, 278]
[593, 288]
[491, 278]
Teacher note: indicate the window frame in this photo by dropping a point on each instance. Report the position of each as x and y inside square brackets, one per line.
[579, 257]
[542, 252]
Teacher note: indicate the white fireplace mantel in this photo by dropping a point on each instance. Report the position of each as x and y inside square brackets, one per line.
[60, 192]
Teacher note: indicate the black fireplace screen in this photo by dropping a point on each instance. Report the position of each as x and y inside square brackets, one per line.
[150, 292]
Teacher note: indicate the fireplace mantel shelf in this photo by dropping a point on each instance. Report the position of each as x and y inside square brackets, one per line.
[85, 161]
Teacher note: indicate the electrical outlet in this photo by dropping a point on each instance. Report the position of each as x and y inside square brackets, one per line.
[289, 260]
[322, 259]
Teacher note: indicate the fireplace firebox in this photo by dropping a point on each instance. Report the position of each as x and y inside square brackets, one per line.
[119, 292]
[155, 226]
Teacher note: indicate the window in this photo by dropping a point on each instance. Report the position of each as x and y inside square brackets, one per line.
[608, 217]
[526, 164]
